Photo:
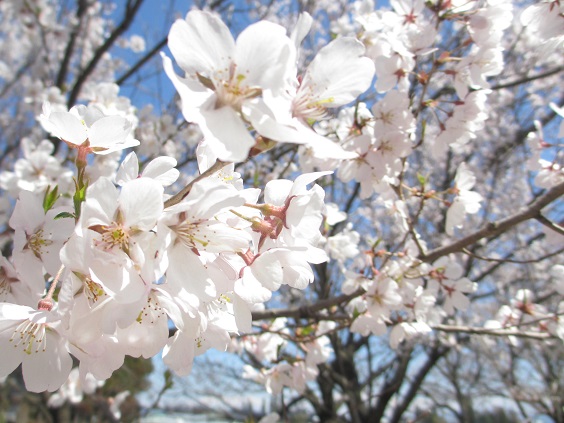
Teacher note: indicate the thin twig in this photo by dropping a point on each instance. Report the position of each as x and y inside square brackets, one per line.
[493, 332]
[306, 310]
[549, 224]
[527, 79]
[142, 61]
[507, 260]
[130, 12]
[177, 198]
[496, 228]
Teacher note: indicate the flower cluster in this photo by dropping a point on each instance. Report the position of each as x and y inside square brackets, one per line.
[106, 263]
[131, 264]
[232, 87]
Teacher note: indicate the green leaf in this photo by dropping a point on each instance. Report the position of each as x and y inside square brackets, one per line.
[64, 215]
[356, 313]
[308, 330]
[78, 198]
[50, 198]
[169, 381]
[422, 179]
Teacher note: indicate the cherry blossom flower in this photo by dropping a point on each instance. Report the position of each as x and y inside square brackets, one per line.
[392, 113]
[544, 18]
[32, 338]
[337, 75]
[405, 331]
[381, 298]
[37, 170]
[466, 119]
[88, 128]
[194, 237]
[446, 276]
[344, 245]
[116, 402]
[12, 290]
[160, 169]
[392, 71]
[73, 389]
[223, 75]
[38, 240]
[465, 202]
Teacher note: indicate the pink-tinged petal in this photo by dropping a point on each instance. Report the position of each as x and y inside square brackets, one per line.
[250, 289]
[315, 255]
[471, 201]
[101, 202]
[273, 120]
[322, 147]
[228, 135]
[277, 191]
[301, 29]
[141, 202]
[67, 127]
[162, 170]
[188, 277]
[10, 313]
[459, 301]
[208, 198]
[128, 170]
[178, 354]
[454, 270]
[111, 132]
[369, 324]
[455, 217]
[104, 356]
[242, 313]
[192, 93]
[11, 356]
[201, 44]
[339, 74]
[464, 178]
[167, 303]
[268, 268]
[301, 182]
[265, 56]
[28, 213]
[123, 285]
[297, 271]
[47, 370]
[58, 230]
[217, 237]
[87, 115]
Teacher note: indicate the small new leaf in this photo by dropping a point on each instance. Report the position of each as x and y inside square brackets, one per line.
[50, 198]
[64, 215]
[422, 179]
[356, 313]
[308, 330]
[78, 198]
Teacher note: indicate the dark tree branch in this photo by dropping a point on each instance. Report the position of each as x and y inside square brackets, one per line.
[141, 62]
[178, 197]
[306, 311]
[493, 332]
[527, 79]
[496, 228]
[490, 230]
[390, 387]
[63, 70]
[551, 225]
[520, 137]
[131, 10]
[434, 356]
